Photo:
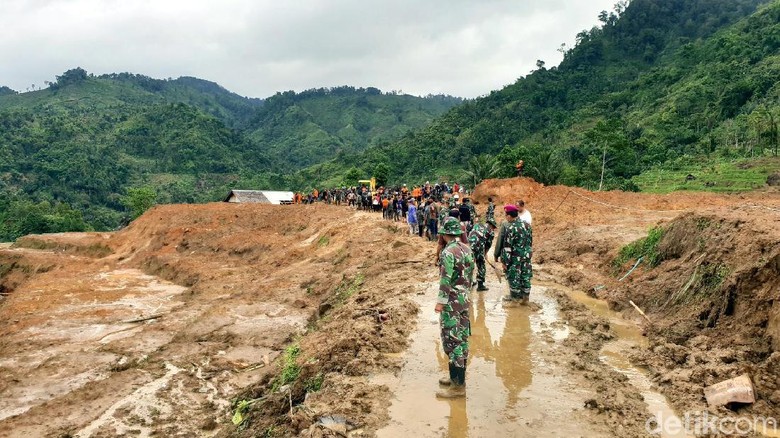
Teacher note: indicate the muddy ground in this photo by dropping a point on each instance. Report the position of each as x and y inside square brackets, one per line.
[306, 320]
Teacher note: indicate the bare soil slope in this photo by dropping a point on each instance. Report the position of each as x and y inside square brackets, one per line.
[165, 327]
[157, 328]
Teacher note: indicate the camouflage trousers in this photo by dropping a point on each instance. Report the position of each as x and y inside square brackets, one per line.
[519, 275]
[479, 258]
[455, 328]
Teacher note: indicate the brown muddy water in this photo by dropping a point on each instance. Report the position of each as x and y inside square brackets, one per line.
[615, 354]
[514, 388]
[518, 383]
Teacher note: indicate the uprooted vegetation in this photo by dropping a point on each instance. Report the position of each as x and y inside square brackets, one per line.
[645, 249]
[714, 299]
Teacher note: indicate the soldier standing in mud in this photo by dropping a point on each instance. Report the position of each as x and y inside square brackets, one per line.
[456, 274]
[478, 240]
[514, 247]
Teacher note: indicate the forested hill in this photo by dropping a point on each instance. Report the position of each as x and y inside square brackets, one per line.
[96, 93]
[88, 152]
[300, 129]
[657, 81]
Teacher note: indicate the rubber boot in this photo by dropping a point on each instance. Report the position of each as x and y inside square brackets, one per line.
[526, 296]
[458, 387]
[447, 381]
[481, 287]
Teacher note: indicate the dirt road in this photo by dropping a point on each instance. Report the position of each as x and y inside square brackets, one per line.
[518, 383]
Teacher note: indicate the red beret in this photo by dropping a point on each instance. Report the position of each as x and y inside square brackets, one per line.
[510, 207]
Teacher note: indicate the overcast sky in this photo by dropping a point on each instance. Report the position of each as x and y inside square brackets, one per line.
[258, 47]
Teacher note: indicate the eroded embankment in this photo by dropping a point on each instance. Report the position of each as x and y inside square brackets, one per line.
[713, 298]
[187, 308]
[713, 301]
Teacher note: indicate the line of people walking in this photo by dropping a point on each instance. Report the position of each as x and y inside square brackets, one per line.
[464, 238]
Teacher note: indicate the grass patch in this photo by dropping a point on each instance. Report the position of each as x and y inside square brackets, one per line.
[348, 287]
[712, 277]
[704, 283]
[646, 247]
[323, 241]
[290, 368]
[711, 175]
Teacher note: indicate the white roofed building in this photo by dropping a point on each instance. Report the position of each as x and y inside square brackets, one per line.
[259, 196]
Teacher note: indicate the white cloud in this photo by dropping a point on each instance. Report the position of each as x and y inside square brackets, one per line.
[258, 47]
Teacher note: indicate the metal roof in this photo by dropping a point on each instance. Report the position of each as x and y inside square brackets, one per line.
[259, 196]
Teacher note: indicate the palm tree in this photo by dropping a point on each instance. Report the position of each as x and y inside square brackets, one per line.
[482, 167]
[545, 166]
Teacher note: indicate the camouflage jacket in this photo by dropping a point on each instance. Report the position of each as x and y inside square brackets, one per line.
[473, 211]
[456, 276]
[491, 211]
[517, 242]
[444, 212]
[478, 239]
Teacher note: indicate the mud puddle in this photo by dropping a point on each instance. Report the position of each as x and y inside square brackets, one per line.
[517, 384]
[615, 354]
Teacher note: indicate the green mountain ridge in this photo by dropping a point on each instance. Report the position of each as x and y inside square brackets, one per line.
[81, 148]
[658, 81]
[301, 129]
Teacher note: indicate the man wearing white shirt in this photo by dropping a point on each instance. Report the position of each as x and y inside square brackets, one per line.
[524, 215]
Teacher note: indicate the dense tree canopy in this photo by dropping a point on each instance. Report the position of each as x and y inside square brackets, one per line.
[656, 81]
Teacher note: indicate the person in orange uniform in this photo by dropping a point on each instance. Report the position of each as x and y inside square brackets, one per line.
[519, 167]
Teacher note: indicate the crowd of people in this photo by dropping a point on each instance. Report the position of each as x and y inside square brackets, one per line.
[445, 214]
[362, 197]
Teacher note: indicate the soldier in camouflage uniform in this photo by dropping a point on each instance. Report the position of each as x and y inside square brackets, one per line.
[478, 240]
[444, 211]
[490, 214]
[515, 252]
[457, 272]
[491, 210]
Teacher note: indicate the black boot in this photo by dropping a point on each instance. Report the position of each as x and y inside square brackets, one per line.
[481, 287]
[447, 381]
[462, 374]
[457, 388]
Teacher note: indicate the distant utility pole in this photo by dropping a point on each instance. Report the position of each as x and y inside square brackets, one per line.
[603, 166]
